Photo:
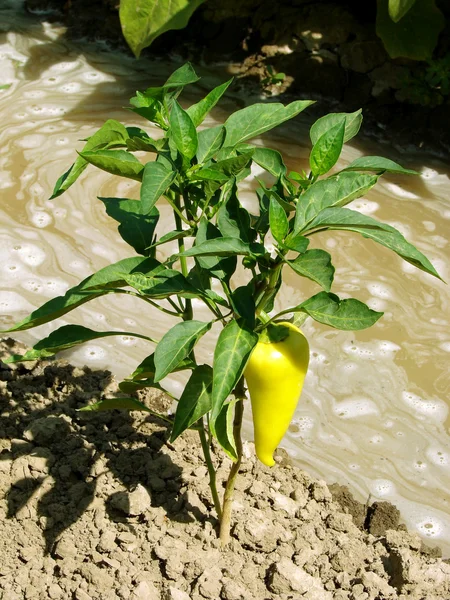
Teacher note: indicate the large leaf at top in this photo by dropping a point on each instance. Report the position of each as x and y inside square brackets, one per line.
[334, 191]
[352, 125]
[415, 35]
[348, 314]
[94, 286]
[64, 338]
[350, 220]
[116, 162]
[379, 165]
[111, 134]
[315, 265]
[233, 349]
[198, 111]
[254, 120]
[195, 401]
[136, 229]
[182, 131]
[156, 180]
[143, 21]
[176, 345]
[399, 8]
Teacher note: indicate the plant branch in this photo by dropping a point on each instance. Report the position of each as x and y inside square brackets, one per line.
[211, 470]
[152, 302]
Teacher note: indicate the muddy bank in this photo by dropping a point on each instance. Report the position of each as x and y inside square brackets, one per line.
[327, 51]
[102, 507]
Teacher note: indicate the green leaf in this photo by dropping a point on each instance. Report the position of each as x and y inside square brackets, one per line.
[160, 283]
[352, 125]
[234, 165]
[298, 243]
[198, 111]
[279, 224]
[334, 191]
[176, 345]
[219, 268]
[181, 77]
[379, 165]
[64, 338]
[211, 174]
[243, 303]
[94, 286]
[234, 221]
[268, 159]
[415, 35]
[350, 220]
[116, 162]
[327, 149]
[195, 401]
[183, 132]
[111, 133]
[348, 315]
[254, 120]
[135, 228]
[156, 180]
[142, 23]
[144, 375]
[140, 141]
[223, 429]
[399, 8]
[122, 404]
[233, 349]
[315, 265]
[224, 246]
[173, 235]
[209, 142]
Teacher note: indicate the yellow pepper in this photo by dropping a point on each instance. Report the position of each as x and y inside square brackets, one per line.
[275, 374]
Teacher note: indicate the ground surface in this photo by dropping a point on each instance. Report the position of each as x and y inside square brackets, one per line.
[100, 506]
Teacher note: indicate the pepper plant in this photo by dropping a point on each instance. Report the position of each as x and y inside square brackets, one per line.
[197, 172]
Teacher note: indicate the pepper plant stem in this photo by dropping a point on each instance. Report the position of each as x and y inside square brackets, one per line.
[225, 523]
[211, 470]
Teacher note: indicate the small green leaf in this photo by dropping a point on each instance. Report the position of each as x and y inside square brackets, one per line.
[176, 345]
[156, 180]
[198, 111]
[379, 165]
[254, 120]
[135, 228]
[268, 159]
[327, 149]
[298, 243]
[348, 315]
[315, 265]
[116, 162]
[64, 338]
[350, 220]
[279, 224]
[233, 349]
[160, 283]
[173, 235]
[225, 246]
[334, 191]
[243, 303]
[352, 125]
[223, 429]
[210, 141]
[183, 132]
[219, 268]
[112, 133]
[233, 220]
[94, 286]
[195, 401]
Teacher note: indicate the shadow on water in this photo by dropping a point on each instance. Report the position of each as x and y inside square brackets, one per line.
[60, 457]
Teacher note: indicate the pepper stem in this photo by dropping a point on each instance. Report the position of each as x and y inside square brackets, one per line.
[225, 523]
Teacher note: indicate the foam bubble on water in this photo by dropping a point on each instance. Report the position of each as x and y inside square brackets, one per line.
[31, 255]
[401, 192]
[429, 225]
[367, 207]
[12, 302]
[70, 87]
[360, 351]
[376, 439]
[420, 465]
[301, 424]
[93, 353]
[65, 66]
[435, 409]
[41, 219]
[32, 285]
[130, 322]
[445, 346]
[379, 290]
[382, 487]
[355, 407]
[437, 456]
[377, 304]
[429, 526]
[31, 141]
[331, 243]
[127, 340]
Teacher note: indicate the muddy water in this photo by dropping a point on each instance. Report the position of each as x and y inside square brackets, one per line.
[374, 412]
